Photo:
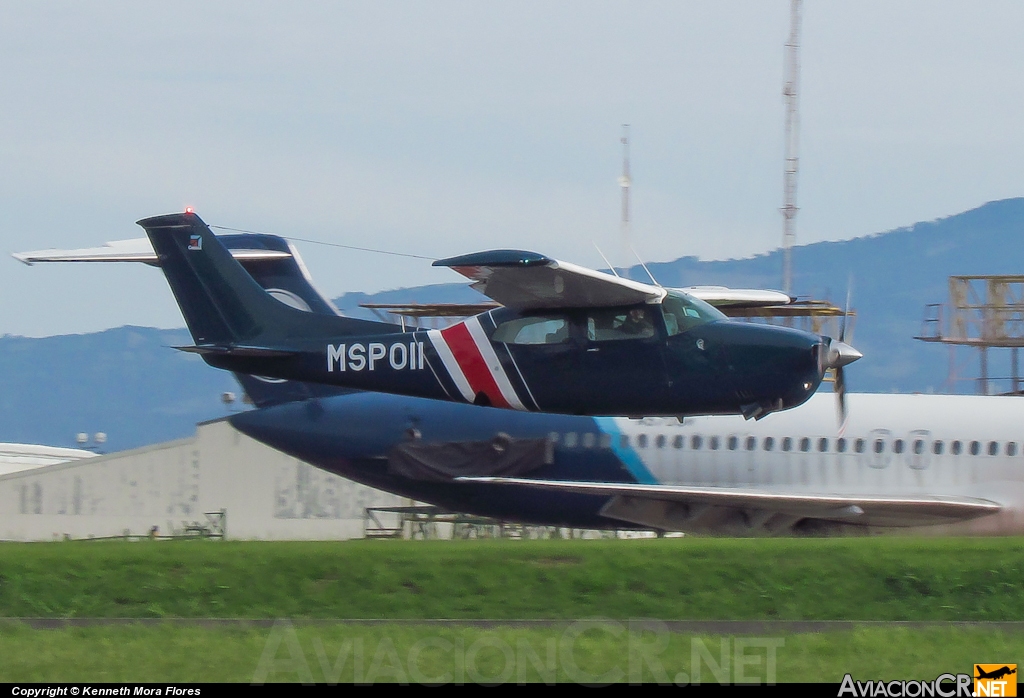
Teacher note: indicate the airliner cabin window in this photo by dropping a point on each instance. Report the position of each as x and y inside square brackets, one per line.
[660, 441]
[614, 324]
[733, 443]
[536, 329]
[858, 445]
[769, 443]
[805, 444]
[571, 439]
[937, 448]
[683, 312]
[975, 448]
[641, 441]
[955, 448]
[1011, 448]
[897, 446]
[822, 445]
[879, 445]
[713, 443]
[918, 447]
[589, 440]
[787, 444]
[993, 448]
[751, 443]
[605, 441]
[553, 437]
[841, 445]
[695, 442]
[677, 442]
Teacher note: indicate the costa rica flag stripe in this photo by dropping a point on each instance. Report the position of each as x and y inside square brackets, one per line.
[450, 364]
[476, 331]
[473, 365]
[471, 361]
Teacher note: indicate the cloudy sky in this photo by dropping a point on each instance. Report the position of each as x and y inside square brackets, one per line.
[437, 128]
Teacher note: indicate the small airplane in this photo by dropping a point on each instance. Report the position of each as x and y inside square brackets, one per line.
[568, 340]
[995, 673]
[905, 460]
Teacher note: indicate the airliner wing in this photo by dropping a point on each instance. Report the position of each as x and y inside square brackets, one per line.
[135, 250]
[652, 504]
[527, 280]
[723, 297]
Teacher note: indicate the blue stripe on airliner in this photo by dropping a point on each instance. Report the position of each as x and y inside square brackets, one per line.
[626, 454]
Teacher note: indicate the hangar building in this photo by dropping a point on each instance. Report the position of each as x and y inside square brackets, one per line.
[218, 481]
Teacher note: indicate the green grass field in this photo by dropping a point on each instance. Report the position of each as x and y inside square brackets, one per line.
[689, 578]
[866, 579]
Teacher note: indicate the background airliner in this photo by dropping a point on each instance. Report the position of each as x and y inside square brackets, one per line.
[904, 460]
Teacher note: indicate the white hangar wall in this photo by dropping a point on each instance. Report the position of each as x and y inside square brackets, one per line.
[266, 494]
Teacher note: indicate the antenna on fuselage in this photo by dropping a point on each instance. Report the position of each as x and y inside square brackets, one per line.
[639, 259]
[606, 261]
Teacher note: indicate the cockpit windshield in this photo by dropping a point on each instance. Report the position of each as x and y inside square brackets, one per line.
[683, 312]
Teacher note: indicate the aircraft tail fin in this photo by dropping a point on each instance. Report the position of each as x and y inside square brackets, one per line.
[286, 279]
[222, 304]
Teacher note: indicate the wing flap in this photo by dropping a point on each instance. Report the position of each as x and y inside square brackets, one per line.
[527, 280]
[880, 510]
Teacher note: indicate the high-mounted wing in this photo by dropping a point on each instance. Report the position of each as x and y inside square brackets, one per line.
[135, 250]
[527, 280]
[684, 506]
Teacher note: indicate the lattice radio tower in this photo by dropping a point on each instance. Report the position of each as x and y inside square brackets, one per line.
[625, 183]
[789, 94]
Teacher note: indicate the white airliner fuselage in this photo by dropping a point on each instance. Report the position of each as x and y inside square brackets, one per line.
[892, 445]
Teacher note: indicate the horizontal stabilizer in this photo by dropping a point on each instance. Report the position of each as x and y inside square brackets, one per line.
[221, 350]
[882, 510]
[135, 250]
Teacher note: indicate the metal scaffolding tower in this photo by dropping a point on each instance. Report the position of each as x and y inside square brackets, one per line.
[984, 312]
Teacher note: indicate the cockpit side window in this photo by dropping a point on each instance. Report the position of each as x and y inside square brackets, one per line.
[614, 324]
[683, 312]
[535, 329]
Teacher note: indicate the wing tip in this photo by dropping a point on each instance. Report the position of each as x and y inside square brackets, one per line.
[495, 258]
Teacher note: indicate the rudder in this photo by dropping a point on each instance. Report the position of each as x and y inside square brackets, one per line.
[221, 302]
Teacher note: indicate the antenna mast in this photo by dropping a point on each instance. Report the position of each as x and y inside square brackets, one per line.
[625, 182]
[789, 94]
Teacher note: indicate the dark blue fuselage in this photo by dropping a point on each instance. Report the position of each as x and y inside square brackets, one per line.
[352, 435]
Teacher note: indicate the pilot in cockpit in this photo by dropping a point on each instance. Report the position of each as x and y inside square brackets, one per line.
[637, 324]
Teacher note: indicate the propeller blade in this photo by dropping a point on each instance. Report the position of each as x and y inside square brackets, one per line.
[840, 390]
[840, 354]
[846, 312]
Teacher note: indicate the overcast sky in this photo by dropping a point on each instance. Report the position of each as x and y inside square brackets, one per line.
[438, 128]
